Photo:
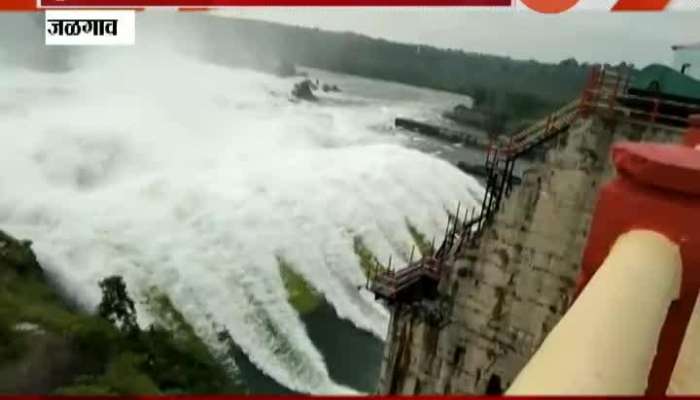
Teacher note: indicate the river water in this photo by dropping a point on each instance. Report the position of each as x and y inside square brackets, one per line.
[195, 179]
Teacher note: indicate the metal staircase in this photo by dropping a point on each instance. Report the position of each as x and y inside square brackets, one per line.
[419, 278]
[604, 93]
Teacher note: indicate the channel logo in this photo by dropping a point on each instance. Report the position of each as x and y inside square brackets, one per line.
[550, 6]
[559, 6]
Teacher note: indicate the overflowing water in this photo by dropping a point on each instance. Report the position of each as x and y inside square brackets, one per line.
[193, 178]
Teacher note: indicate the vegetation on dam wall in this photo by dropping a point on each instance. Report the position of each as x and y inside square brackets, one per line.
[300, 294]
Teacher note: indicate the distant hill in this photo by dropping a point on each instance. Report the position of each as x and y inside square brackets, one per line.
[515, 89]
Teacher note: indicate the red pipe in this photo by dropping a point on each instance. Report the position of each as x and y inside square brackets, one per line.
[658, 189]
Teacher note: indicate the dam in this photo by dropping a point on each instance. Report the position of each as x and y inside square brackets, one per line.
[469, 317]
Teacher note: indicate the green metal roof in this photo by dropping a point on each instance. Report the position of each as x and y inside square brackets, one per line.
[669, 81]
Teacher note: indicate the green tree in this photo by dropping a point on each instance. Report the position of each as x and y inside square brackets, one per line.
[479, 94]
[116, 305]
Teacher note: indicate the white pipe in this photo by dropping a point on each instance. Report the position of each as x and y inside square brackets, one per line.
[685, 379]
[605, 344]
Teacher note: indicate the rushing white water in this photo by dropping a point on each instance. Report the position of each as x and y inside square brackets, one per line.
[192, 178]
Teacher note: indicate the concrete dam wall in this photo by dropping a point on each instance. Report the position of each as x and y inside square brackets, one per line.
[507, 293]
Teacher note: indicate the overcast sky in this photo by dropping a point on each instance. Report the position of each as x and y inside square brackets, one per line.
[594, 36]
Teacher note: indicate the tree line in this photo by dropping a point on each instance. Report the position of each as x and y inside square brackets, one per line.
[514, 88]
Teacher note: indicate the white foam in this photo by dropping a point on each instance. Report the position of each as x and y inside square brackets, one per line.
[192, 177]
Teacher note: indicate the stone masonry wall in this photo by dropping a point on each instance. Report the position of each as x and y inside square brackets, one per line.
[509, 294]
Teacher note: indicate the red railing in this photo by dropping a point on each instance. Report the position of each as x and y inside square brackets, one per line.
[610, 91]
[606, 92]
[387, 283]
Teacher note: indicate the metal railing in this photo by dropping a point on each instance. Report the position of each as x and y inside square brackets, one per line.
[611, 92]
[460, 230]
[606, 92]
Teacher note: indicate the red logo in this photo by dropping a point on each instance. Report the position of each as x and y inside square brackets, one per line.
[550, 6]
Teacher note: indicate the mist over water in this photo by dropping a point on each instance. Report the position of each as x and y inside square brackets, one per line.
[193, 178]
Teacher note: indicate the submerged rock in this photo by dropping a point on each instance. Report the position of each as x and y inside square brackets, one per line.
[304, 90]
[330, 88]
[466, 116]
